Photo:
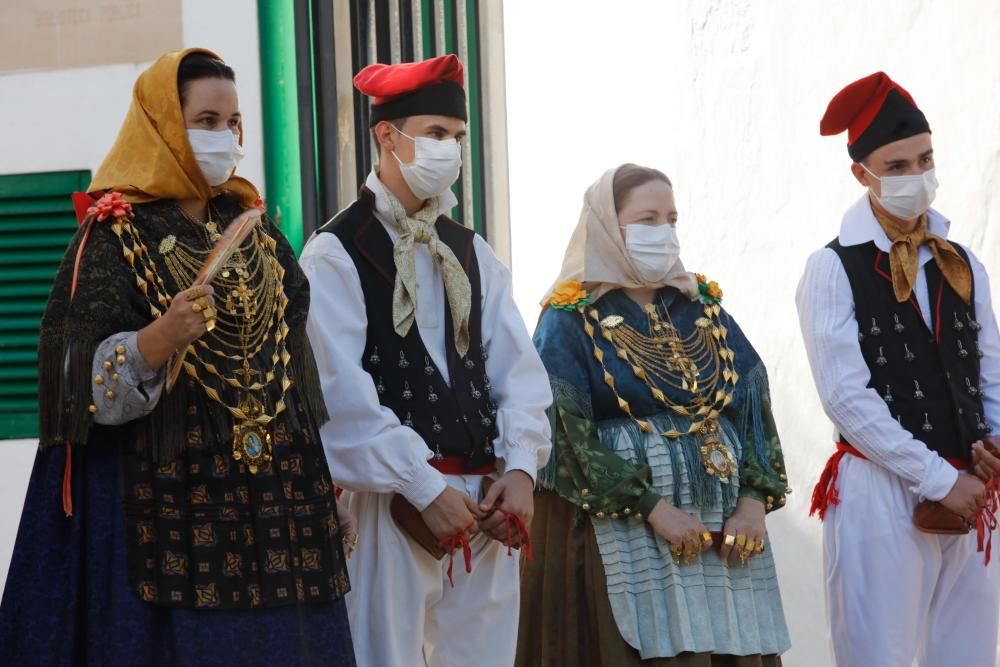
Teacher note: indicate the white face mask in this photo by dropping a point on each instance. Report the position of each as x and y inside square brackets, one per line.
[217, 153]
[906, 197]
[653, 250]
[434, 168]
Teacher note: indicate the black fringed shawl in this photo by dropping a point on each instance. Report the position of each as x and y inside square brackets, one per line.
[201, 531]
[108, 301]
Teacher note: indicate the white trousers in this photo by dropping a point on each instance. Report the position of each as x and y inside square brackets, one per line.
[404, 612]
[894, 594]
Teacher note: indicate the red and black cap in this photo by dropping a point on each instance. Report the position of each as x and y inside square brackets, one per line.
[433, 87]
[875, 111]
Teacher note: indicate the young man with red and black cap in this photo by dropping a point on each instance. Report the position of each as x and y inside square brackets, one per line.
[905, 353]
[432, 384]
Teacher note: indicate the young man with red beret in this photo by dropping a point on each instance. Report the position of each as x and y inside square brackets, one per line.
[433, 385]
[905, 352]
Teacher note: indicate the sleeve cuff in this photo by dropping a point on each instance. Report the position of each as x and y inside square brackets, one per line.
[424, 488]
[137, 362]
[647, 502]
[939, 481]
[756, 494]
[523, 460]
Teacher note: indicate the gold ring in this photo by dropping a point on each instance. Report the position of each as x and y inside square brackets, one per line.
[744, 556]
[208, 313]
[707, 537]
[676, 549]
[195, 293]
[729, 541]
[760, 547]
[210, 324]
[741, 541]
[197, 307]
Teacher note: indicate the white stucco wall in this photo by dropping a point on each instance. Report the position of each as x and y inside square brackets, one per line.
[725, 96]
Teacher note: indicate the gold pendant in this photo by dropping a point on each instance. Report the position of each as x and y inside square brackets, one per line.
[213, 231]
[167, 244]
[251, 441]
[612, 321]
[715, 456]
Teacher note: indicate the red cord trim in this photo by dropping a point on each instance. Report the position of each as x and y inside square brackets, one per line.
[67, 483]
[986, 519]
[878, 270]
[451, 544]
[516, 523]
[937, 313]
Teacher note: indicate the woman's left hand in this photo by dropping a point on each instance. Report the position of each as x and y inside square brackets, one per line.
[348, 528]
[746, 527]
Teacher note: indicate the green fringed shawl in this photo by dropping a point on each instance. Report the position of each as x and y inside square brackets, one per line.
[583, 457]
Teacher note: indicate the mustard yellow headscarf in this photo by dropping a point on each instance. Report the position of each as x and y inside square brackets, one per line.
[151, 158]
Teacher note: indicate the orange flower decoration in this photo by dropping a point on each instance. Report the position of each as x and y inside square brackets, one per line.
[709, 290]
[111, 204]
[569, 296]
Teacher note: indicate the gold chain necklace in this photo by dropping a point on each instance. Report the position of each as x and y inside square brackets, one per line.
[247, 307]
[183, 262]
[679, 363]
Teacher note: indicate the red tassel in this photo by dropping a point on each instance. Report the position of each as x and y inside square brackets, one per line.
[523, 536]
[986, 520]
[825, 493]
[67, 483]
[451, 544]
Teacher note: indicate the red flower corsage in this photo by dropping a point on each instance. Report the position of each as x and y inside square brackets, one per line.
[111, 204]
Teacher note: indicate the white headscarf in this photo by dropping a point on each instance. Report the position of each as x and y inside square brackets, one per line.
[596, 254]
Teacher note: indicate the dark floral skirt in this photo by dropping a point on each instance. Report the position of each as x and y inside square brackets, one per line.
[68, 601]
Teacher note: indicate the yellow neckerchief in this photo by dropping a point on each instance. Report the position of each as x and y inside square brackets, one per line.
[904, 256]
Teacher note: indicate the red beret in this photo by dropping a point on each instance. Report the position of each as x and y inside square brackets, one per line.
[433, 86]
[875, 111]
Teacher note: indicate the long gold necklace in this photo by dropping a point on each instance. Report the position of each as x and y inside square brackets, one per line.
[252, 314]
[234, 282]
[701, 364]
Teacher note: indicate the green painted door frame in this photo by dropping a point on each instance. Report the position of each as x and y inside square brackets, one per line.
[282, 174]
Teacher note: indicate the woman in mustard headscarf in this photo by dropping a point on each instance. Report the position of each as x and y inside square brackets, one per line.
[198, 524]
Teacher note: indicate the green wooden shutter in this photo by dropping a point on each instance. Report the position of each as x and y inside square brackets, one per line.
[36, 225]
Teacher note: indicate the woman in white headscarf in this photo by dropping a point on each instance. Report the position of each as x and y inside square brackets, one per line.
[649, 535]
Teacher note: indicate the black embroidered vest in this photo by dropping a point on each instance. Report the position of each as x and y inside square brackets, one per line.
[928, 377]
[456, 420]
